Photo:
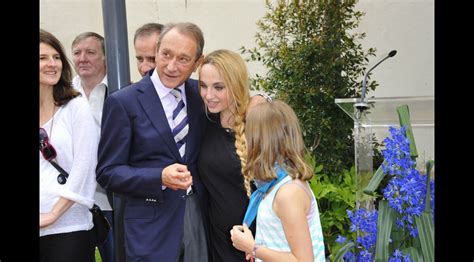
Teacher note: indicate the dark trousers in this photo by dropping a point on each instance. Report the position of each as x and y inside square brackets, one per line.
[71, 247]
[194, 245]
[107, 252]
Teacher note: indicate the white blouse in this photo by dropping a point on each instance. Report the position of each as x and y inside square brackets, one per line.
[74, 135]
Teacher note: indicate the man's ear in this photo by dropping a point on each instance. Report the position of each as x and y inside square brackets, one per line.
[197, 63]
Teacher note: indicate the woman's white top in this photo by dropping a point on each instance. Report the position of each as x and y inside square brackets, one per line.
[74, 135]
[270, 229]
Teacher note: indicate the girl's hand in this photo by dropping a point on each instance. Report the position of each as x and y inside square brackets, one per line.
[242, 239]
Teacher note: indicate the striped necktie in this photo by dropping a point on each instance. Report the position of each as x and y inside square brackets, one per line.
[180, 120]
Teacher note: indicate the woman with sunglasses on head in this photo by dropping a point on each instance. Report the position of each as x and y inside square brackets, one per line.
[70, 139]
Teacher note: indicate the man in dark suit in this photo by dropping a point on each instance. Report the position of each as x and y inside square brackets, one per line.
[150, 140]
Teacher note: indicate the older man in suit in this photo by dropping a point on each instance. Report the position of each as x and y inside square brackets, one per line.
[150, 140]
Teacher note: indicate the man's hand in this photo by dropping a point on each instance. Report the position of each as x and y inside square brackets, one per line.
[176, 176]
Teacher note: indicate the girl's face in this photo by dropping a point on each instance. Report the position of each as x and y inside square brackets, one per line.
[213, 91]
[50, 65]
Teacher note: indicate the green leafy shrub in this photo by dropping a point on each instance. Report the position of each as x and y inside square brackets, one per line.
[335, 194]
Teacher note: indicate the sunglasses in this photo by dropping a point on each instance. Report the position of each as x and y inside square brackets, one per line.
[46, 149]
[48, 152]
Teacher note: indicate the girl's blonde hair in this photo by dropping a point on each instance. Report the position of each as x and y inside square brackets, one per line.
[233, 70]
[274, 136]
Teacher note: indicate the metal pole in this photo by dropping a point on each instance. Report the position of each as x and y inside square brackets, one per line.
[116, 43]
[118, 76]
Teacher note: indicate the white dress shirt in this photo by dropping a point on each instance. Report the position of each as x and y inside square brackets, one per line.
[168, 100]
[96, 101]
[96, 97]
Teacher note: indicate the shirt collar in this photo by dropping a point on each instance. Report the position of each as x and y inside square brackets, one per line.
[161, 89]
[77, 83]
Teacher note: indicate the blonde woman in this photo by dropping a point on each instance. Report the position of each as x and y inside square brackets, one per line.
[288, 224]
[224, 88]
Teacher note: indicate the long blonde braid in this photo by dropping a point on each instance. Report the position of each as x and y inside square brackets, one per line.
[241, 149]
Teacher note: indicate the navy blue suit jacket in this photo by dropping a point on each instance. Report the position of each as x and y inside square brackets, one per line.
[136, 145]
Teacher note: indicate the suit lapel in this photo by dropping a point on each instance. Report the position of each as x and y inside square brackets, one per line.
[194, 107]
[153, 108]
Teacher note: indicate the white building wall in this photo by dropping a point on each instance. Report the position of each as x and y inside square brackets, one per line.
[408, 27]
[404, 25]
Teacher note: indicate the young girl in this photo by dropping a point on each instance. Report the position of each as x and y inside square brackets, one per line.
[288, 226]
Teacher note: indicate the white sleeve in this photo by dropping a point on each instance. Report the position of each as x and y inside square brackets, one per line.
[81, 184]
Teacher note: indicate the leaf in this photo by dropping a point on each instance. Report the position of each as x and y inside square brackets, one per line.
[425, 227]
[404, 117]
[375, 181]
[385, 221]
[318, 169]
[397, 237]
[341, 252]
[326, 190]
[429, 165]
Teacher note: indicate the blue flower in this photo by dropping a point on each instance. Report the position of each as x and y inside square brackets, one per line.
[399, 257]
[365, 224]
[406, 190]
[341, 240]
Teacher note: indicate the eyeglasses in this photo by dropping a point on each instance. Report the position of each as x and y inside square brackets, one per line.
[46, 149]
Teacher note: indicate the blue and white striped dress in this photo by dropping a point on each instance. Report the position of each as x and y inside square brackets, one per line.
[270, 229]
